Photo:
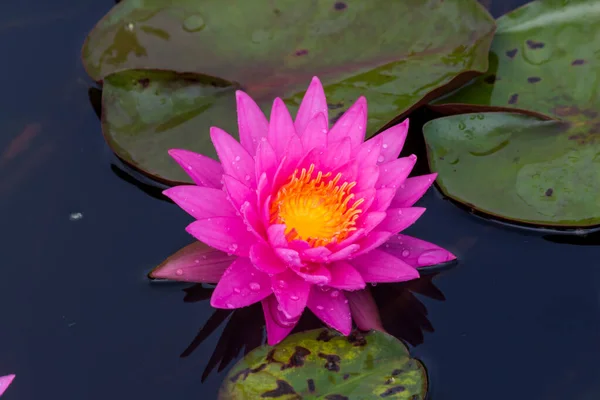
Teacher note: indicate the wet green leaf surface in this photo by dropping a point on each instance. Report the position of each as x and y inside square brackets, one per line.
[321, 364]
[379, 49]
[516, 167]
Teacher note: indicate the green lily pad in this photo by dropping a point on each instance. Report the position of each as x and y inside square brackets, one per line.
[517, 167]
[321, 364]
[377, 48]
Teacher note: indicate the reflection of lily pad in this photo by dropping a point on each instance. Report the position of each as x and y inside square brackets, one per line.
[272, 48]
[517, 167]
[321, 364]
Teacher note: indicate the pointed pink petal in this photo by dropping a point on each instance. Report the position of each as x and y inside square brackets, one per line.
[398, 219]
[276, 234]
[336, 155]
[293, 154]
[368, 152]
[315, 134]
[281, 127]
[201, 202]
[240, 286]
[266, 160]
[228, 234]
[238, 192]
[291, 292]
[367, 178]
[252, 123]
[357, 234]
[316, 274]
[263, 258]
[316, 254]
[412, 190]
[372, 241]
[331, 307]
[5, 381]
[278, 325]
[349, 171]
[262, 189]
[290, 257]
[253, 221]
[313, 103]
[343, 253]
[204, 171]
[364, 310]
[394, 174]
[236, 161]
[416, 252]
[299, 245]
[344, 276]
[371, 220]
[383, 199]
[352, 124]
[392, 142]
[379, 266]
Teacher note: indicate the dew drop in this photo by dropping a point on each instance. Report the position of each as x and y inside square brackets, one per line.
[237, 290]
[197, 261]
[294, 297]
[254, 286]
[385, 146]
[229, 305]
[374, 284]
[194, 23]
[405, 253]
[247, 177]
[179, 272]
[232, 247]
[381, 159]
[335, 294]
[320, 308]
[282, 284]
[237, 158]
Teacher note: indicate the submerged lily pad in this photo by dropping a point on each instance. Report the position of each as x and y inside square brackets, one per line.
[321, 364]
[377, 48]
[516, 167]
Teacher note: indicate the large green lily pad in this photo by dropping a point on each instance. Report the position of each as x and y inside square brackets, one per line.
[517, 167]
[321, 364]
[398, 54]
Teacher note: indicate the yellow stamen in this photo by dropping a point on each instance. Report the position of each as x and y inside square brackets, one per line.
[316, 209]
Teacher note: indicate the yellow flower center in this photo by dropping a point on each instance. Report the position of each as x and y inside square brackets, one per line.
[316, 209]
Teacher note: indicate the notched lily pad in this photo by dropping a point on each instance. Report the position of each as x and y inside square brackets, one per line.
[321, 364]
[273, 48]
[517, 167]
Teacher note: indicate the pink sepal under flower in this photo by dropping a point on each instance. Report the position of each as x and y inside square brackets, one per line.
[299, 214]
[5, 382]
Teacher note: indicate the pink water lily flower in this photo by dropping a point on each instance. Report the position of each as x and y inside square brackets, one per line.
[5, 381]
[300, 214]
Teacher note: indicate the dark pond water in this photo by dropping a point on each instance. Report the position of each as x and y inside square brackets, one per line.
[518, 317]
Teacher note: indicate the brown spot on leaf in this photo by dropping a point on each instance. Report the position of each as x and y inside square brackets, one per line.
[566, 111]
[549, 192]
[490, 79]
[247, 371]
[513, 99]
[534, 79]
[392, 390]
[325, 336]
[301, 52]
[511, 53]
[297, 358]
[336, 397]
[396, 372]
[270, 357]
[282, 389]
[340, 5]
[311, 385]
[277, 11]
[579, 61]
[357, 339]
[346, 376]
[532, 44]
[332, 362]
[144, 82]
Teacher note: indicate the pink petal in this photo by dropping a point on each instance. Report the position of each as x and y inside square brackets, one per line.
[281, 127]
[383, 199]
[262, 190]
[278, 325]
[312, 104]
[371, 220]
[276, 235]
[290, 257]
[349, 171]
[331, 307]
[204, 171]
[344, 276]
[241, 285]
[266, 160]
[372, 241]
[316, 254]
[412, 190]
[367, 178]
[315, 134]
[194, 263]
[392, 141]
[352, 124]
[228, 234]
[238, 192]
[379, 266]
[289, 163]
[364, 310]
[369, 197]
[316, 274]
[236, 161]
[252, 123]
[343, 253]
[393, 174]
[398, 219]
[200, 201]
[291, 292]
[357, 234]
[263, 258]
[416, 252]
[368, 152]
[336, 155]
[253, 221]
[5, 381]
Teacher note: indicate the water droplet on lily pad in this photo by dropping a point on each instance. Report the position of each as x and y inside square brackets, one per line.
[194, 23]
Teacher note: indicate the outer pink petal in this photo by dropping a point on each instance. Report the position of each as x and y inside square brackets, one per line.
[253, 221]
[236, 161]
[315, 134]
[241, 285]
[331, 307]
[367, 178]
[278, 325]
[228, 234]
[5, 381]
[364, 310]
[281, 127]
[372, 241]
[276, 235]
[398, 219]
[412, 190]
[383, 199]
[344, 276]
[371, 220]
[291, 292]
[263, 258]
[289, 163]
[367, 153]
[379, 266]
[336, 155]
[266, 160]
[237, 192]
[194, 263]
[393, 174]
[352, 124]
[252, 123]
[316, 274]
[204, 171]
[392, 141]
[313, 103]
[201, 202]
[416, 252]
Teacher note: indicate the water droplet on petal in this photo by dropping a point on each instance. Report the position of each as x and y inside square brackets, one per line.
[229, 305]
[179, 272]
[247, 177]
[405, 253]
[373, 284]
[282, 284]
[385, 146]
[232, 247]
[294, 297]
[381, 159]
[335, 294]
[320, 308]
[254, 286]
[237, 290]
[237, 158]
